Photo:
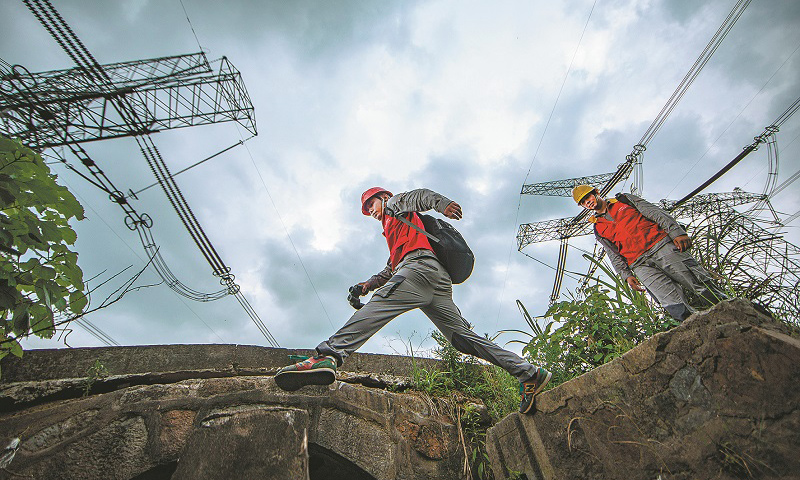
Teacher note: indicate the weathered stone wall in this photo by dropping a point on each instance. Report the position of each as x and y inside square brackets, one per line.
[715, 398]
[214, 412]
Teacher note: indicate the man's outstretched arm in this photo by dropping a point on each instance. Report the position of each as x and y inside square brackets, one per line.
[378, 280]
[422, 200]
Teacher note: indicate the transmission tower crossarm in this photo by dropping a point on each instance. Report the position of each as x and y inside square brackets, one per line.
[702, 202]
[165, 93]
[563, 188]
[548, 230]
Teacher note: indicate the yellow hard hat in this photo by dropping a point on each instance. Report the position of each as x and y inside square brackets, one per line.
[581, 191]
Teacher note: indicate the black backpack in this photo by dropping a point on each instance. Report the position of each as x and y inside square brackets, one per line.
[448, 245]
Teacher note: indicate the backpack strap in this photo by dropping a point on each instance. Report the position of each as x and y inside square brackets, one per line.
[405, 220]
[622, 198]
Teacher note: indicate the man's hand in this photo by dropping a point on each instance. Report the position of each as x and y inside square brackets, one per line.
[453, 211]
[634, 283]
[683, 242]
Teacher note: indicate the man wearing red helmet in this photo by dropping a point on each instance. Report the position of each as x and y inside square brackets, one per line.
[413, 278]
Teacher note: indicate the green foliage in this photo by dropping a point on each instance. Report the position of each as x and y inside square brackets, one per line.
[734, 250]
[587, 332]
[461, 378]
[39, 274]
[463, 374]
[96, 372]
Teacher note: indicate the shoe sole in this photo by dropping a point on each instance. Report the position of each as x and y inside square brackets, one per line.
[529, 407]
[297, 379]
[543, 384]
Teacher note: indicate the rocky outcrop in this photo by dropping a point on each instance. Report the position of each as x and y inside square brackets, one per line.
[714, 398]
[214, 412]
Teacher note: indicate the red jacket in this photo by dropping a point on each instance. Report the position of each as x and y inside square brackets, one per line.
[629, 231]
[403, 239]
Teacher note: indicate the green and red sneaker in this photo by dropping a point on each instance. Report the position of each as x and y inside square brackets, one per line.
[319, 370]
[528, 390]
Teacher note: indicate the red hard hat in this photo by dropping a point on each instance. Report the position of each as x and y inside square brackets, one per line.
[369, 194]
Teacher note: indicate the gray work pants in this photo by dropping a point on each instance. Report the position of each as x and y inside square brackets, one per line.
[420, 281]
[666, 272]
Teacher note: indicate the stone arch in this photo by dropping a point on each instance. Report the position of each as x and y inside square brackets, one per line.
[159, 472]
[325, 464]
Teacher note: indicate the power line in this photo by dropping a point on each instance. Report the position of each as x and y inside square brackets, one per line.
[85, 202]
[573, 275]
[560, 90]
[240, 142]
[785, 184]
[734, 120]
[64, 36]
[288, 236]
[691, 75]
[96, 332]
[536, 152]
[191, 26]
[766, 136]
[792, 218]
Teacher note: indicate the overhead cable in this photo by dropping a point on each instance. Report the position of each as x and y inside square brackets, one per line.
[634, 159]
[785, 184]
[765, 136]
[691, 75]
[240, 142]
[63, 34]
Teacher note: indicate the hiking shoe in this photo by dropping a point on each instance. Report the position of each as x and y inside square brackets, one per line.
[528, 390]
[320, 370]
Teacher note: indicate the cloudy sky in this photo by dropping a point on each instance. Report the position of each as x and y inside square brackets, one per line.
[450, 95]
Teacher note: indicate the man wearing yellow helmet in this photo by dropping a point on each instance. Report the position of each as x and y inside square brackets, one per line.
[645, 244]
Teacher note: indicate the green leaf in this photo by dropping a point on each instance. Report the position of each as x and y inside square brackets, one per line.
[68, 235]
[34, 227]
[7, 197]
[43, 293]
[60, 304]
[77, 302]
[21, 322]
[8, 296]
[16, 349]
[45, 272]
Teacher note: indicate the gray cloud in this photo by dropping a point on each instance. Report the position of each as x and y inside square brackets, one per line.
[349, 95]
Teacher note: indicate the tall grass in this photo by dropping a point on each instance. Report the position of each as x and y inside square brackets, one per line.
[458, 384]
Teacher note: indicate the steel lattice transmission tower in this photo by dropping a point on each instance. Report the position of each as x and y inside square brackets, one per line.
[79, 105]
[563, 229]
[132, 99]
[755, 261]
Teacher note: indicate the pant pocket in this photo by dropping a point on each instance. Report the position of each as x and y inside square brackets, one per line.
[390, 286]
[691, 263]
[428, 263]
